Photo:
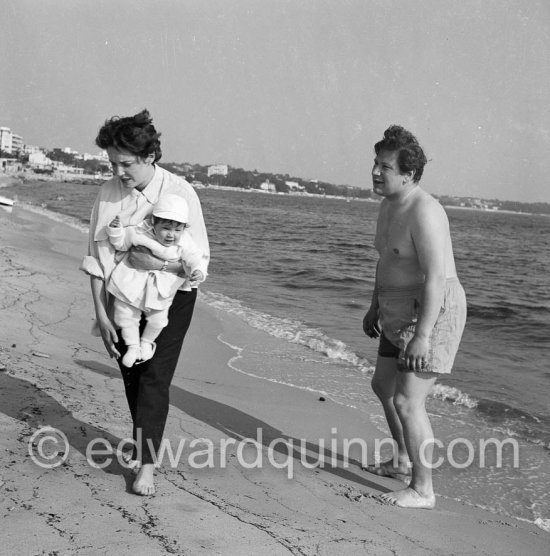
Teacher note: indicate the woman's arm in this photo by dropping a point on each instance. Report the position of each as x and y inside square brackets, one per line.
[108, 332]
[193, 258]
[142, 259]
[158, 250]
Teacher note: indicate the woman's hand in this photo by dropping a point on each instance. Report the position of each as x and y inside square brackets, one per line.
[141, 258]
[109, 337]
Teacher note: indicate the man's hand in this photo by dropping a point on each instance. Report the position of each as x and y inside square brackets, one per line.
[115, 222]
[416, 353]
[371, 324]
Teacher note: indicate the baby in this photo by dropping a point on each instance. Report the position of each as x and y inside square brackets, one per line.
[151, 291]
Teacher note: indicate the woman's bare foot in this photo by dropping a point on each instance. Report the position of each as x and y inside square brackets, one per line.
[387, 469]
[408, 498]
[144, 484]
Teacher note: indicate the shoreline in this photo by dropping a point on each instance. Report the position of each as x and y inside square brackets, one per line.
[57, 373]
[498, 211]
[443, 395]
[15, 179]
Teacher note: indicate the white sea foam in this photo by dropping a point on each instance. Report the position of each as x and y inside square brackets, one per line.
[232, 365]
[296, 332]
[544, 524]
[71, 221]
[449, 393]
[287, 329]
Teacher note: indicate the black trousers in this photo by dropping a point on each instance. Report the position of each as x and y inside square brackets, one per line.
[147, 385]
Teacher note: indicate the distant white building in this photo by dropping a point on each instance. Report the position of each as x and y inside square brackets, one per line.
[217, 169]
[10, 165]
[39, 160]
[102, 156]
[5, 139]
[29, 149]
[16, 143]
[295, 186]
[62, 170]
[268, 186]
[10, 142]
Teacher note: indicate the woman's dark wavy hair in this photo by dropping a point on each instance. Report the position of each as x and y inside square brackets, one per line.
[410, 155]
[135, 134]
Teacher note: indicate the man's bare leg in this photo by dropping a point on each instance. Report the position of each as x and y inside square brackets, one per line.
[411, 392]
[384, 385]
[145, 480]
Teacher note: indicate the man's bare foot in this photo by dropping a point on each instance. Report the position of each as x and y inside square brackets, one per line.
[408, 498]
[387, 469]
[144, 484]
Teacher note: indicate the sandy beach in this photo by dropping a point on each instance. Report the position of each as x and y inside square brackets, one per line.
[217, 499]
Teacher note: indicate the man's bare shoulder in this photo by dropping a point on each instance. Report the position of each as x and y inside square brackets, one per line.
[426, 205]
[427, 215]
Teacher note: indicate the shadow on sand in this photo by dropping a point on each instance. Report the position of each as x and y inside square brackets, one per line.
[238, 425]
[25, 402]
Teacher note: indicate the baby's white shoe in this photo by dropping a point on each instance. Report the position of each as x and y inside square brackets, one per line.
[131, 356]
[147, 349]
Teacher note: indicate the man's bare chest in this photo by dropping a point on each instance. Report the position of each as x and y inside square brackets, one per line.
[394, 237]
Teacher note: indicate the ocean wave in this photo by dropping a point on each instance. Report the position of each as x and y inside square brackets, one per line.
[501, 417]
[353, 245]
[490, 313]
[453, 395]
[498, 410]
[287, 329]
[543, 524]
[71, 221]
[540, 522]
[490, 408]
[521, 310]
[297, 332]
[312, 280]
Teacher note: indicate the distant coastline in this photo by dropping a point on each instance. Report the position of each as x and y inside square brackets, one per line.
[496, 211]
[312, 189]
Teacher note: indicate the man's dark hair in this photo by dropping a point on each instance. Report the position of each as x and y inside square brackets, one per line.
[410, 155]
[135, 134]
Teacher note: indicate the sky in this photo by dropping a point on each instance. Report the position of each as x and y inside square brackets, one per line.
[296, 87]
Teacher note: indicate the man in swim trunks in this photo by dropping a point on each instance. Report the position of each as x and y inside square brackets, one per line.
[418, 310]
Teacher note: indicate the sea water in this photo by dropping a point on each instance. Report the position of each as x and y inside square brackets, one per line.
[301, 268]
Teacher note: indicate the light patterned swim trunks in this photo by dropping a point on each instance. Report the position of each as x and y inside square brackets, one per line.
[399, 308]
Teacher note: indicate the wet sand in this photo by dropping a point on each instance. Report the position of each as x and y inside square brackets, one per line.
[218, 501]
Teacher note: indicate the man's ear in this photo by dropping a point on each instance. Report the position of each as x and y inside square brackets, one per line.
[408, 177]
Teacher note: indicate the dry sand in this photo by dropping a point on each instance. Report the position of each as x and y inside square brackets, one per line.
[55, 373]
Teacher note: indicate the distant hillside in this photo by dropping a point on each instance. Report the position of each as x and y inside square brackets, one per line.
[495, 204]
[247, 179]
